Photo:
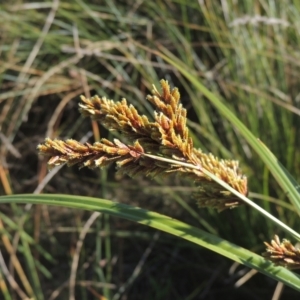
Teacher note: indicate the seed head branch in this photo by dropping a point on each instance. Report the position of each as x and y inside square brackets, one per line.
[167, 138]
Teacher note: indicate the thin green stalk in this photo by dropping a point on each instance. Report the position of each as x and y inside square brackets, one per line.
[32, 269]
[233, 191]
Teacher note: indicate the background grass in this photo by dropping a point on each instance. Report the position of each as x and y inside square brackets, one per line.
[51, 52]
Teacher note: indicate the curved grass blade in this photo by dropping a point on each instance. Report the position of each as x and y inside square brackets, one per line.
[166, 224]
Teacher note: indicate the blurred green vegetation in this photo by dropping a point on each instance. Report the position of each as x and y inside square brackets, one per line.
[245, 52]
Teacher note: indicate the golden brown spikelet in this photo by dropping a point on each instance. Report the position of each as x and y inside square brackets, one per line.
[165, 139]
[283, 253]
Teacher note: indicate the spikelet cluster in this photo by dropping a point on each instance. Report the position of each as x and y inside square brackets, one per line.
[166, 137]
[283, 253]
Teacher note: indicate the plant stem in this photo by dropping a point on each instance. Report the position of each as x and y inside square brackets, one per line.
[229, 188]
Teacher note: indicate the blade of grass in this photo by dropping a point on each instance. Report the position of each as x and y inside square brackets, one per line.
[4, 289]
[166, 224]
[32, 269]
[15, 261]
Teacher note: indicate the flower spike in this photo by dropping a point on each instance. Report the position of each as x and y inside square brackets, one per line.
[155, 148]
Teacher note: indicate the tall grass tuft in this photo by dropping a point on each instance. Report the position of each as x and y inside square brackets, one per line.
[236, 66]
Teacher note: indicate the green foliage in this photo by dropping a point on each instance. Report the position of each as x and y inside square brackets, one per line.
[167, 224]
[224, 56]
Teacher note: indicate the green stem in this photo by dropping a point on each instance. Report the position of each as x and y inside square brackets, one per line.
[229, 188]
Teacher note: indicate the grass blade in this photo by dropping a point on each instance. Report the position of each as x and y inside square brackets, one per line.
[166, 224]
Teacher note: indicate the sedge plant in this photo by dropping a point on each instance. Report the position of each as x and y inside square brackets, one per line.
[161, 148]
